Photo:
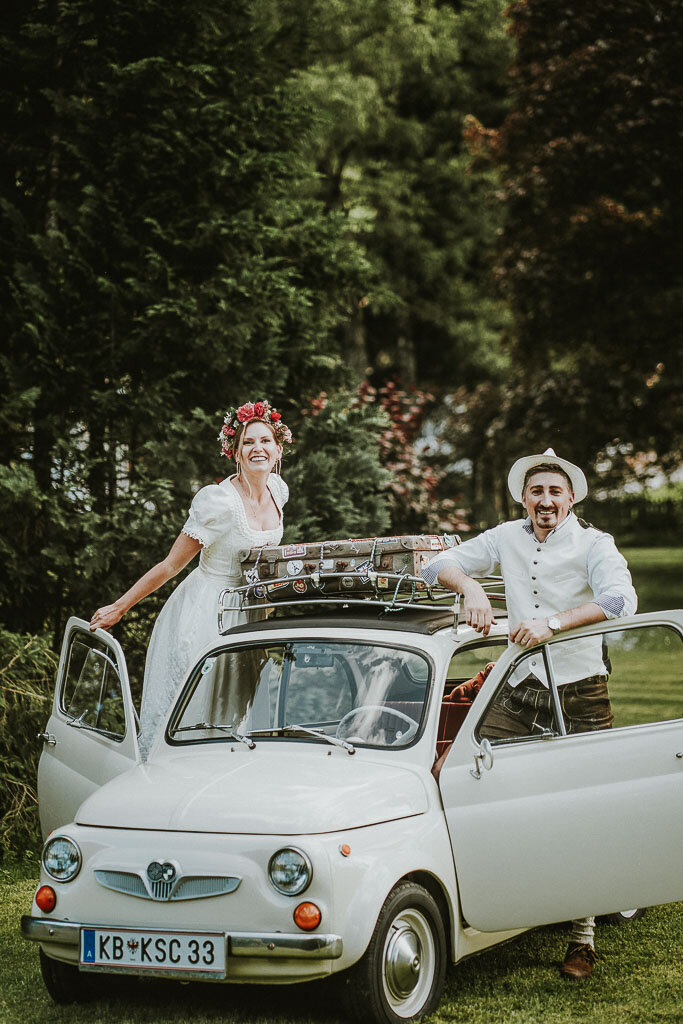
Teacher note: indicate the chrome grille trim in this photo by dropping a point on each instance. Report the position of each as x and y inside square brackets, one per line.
[185, 887]
[123, 881]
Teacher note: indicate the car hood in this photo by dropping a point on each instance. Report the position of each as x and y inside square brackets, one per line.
[257, 792]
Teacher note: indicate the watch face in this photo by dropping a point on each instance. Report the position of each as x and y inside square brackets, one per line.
[553, 624]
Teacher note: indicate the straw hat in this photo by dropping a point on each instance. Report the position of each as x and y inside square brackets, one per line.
[522, 466]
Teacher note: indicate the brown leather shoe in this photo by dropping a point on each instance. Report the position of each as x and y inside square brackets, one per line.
[578, 962]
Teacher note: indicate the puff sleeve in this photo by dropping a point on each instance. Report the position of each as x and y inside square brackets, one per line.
[279, 490]
[212, 513]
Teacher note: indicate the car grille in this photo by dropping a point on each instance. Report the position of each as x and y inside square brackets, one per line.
[185, 887]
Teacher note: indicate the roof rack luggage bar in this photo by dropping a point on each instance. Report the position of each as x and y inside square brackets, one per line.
[422, 596]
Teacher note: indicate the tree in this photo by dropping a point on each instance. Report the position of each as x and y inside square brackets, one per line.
[161, 259]
[396, 81]
[592, 259]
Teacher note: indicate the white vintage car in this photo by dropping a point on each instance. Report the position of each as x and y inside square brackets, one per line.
[288, 825]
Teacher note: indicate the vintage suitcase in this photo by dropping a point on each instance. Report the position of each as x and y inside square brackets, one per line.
[338, 566]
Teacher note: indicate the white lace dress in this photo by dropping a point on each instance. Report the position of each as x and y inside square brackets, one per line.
[188, 622]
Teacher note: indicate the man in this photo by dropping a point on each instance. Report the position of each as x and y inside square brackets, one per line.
[559, 573]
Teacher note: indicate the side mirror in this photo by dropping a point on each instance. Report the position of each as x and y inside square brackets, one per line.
[483, 759]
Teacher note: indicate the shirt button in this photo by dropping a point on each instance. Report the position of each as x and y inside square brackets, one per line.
[538, 549]
[537, 606]
[533, 577]
[535, 563]
[535, 592]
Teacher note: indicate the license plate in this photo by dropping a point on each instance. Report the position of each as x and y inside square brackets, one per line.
[140, 949]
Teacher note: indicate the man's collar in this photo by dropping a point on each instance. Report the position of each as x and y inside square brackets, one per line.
[527, 525]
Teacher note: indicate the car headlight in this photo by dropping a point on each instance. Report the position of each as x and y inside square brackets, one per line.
[290, 871]
[62, 858]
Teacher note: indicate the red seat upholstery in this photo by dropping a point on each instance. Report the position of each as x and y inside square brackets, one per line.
[451, 718]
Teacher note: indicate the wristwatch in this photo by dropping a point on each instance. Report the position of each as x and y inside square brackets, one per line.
[554, 624]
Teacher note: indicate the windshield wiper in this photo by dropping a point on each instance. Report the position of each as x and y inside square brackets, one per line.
[281, 730]
[231, 734]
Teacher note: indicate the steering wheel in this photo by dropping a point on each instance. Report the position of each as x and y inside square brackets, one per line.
[412, 724]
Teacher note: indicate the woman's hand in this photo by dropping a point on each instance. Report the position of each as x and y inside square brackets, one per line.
[106, 616]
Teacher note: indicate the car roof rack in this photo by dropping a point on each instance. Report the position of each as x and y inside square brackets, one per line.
[400, 591]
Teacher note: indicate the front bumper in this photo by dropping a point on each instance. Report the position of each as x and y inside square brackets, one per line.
[275, 945]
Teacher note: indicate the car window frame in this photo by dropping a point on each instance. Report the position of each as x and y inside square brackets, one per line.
[605, 628]
[186, 693]
[94, 646]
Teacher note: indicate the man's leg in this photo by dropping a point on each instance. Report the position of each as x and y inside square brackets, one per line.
[586, 708]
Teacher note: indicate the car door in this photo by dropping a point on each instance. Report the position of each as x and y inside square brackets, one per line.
[91, 735]
[554, 826]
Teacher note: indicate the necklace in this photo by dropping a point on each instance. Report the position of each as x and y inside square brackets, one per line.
[253, 505]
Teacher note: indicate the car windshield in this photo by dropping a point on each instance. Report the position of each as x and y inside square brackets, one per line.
[361, 693]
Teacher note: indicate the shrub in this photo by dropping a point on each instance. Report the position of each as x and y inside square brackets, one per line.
[27, 670]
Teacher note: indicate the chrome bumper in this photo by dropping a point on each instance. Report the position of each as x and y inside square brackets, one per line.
[274, 945]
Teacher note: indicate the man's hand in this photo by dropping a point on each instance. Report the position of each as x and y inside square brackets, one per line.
[478, 610]
[531, 632]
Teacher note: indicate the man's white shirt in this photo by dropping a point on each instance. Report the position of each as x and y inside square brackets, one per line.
[574, 565]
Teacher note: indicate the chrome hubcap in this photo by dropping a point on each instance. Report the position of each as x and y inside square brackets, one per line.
[409, 960]
[403, 961]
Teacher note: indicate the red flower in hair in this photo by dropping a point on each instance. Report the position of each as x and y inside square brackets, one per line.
[259, 409]
[276, 416]
[245, 412]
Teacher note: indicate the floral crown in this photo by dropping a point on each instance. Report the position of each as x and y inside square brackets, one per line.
[235, 418]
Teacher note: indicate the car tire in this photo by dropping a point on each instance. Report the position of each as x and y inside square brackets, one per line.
[64, 982]
[622, 916]
[400, 976]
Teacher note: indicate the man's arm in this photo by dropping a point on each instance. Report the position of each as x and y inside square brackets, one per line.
[536, 631]
[452, 568]
[478, 610]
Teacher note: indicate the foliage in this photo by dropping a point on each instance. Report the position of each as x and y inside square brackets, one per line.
[161, 259]
[27, 670]
[592, 256]
[393, 82]
[337, 488]
[415, 503]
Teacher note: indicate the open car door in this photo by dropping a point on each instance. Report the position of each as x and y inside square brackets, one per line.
[91, 735]
[553, 826]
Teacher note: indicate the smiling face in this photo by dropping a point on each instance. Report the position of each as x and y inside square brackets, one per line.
[548, 500]
[258, 451]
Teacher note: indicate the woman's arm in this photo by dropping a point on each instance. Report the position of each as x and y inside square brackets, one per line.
[183, 550]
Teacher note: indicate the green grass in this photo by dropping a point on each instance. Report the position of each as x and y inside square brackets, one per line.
[657, 576]
[638, 980]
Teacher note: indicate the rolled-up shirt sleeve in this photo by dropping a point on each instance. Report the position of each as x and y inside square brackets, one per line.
[476, 557]
[610, 580]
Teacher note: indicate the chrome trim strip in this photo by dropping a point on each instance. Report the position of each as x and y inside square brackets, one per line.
[276, 945]
[41, 929]
[279, 944]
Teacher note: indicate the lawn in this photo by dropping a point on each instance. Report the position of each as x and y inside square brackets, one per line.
[639, 980]
[657, 576]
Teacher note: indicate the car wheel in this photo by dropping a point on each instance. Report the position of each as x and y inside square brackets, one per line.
[64, 982]
[623, 916]
[401, 974]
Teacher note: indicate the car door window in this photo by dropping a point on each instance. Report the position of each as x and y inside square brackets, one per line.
[92, 696]
[466, 662]
[524, 706]
[642, 673]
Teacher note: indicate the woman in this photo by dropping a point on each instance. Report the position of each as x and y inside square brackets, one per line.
[226, 520]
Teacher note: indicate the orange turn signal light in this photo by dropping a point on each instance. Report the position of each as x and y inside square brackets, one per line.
[307, 916]
[46, 899]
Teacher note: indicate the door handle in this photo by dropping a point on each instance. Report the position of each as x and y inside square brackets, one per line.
[47, 737]
[483, 759]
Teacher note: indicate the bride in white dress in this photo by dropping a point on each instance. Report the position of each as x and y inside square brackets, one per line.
[225, 521]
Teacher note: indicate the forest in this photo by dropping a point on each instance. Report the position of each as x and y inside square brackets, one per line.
[436, 234]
